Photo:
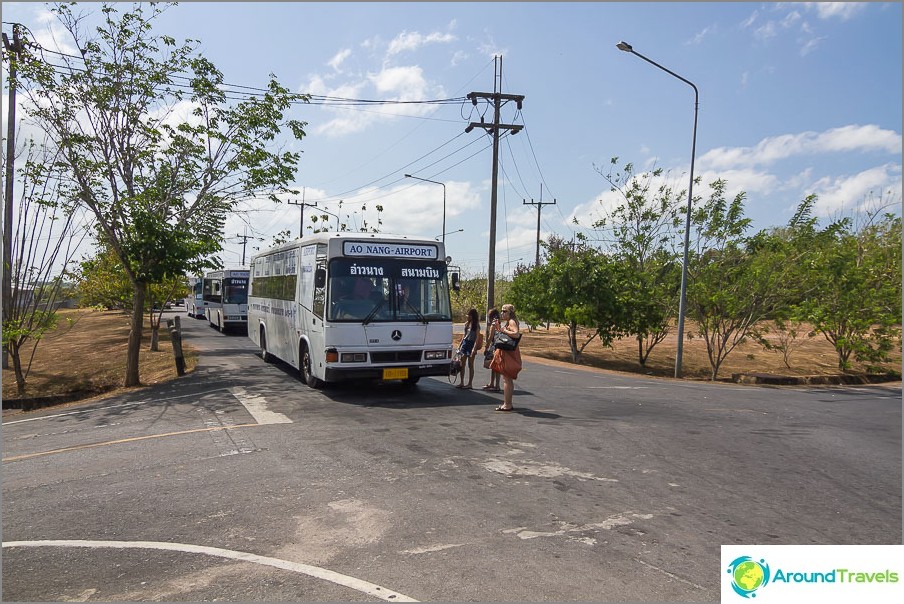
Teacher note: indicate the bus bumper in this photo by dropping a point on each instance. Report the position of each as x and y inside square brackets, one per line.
[338, 374]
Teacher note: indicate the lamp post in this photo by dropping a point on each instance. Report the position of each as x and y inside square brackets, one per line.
[505, 264]
[444, 199]
[330, 213]
[449, 233]
[682, 301]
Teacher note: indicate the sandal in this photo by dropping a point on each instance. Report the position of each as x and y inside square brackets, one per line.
[501, 408]
[488, 387]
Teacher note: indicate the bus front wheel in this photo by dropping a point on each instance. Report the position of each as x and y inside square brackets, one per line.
[306, 373]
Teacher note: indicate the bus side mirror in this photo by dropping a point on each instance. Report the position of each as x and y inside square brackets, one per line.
[320, 277]
[456, 283]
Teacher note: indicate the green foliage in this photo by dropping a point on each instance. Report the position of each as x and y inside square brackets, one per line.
[854, 287]
[160, 186]
[649, 275]
[575, 287]
[735, 281]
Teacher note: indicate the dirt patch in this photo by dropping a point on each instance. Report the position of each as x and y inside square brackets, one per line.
[85, 356]
[810, 358]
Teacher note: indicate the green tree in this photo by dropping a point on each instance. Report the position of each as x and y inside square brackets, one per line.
[43, 241]
[575, 287]
[640, 227]
[735, 281]
[159, 184]
[855, 287]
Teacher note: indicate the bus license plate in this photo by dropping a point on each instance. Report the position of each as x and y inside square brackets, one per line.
[395, 374]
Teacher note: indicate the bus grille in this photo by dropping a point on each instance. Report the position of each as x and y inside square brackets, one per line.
[401, 356]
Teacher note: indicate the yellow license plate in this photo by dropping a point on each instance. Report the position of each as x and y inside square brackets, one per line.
[395, 374]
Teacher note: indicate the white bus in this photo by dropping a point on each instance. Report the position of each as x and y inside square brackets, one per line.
[226, 295]
[349, 306]
[194, 301]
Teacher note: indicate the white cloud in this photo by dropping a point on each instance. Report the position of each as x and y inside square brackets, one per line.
[810, 45]
[698, 38]
[339, 58]
[840, 10]
[852, 138]
[749, 21]
[854, 192]
[406, 42]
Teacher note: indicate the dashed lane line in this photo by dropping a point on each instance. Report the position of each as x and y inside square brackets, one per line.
[122, 440]
[364, 587]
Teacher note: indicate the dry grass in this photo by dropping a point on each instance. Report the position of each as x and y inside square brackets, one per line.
[86, 356]
[810, 356]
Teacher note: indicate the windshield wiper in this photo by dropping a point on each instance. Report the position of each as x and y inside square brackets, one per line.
[373, 312]
[417, 312]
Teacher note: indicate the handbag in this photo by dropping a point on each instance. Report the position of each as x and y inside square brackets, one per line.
[479, 343]
[503, 341]
[488, 356]
[506, 363]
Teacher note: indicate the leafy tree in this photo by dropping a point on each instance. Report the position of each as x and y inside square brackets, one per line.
[574, 287]
[735, 281]
[855, 281]
[102, 281]
[159, 184]
[641, 225]
[43, 239]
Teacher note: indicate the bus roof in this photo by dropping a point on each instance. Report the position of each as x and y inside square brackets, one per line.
[326, 237]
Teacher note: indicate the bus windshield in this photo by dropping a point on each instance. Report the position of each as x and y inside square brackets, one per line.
[368, 290]
[235, 291]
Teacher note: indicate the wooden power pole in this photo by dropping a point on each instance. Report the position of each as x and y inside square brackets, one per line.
[497, 97]
[539, 205]
[13, 50]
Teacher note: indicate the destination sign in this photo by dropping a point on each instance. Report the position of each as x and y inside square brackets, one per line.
[389, 250]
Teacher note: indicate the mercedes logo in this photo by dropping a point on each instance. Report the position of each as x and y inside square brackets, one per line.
[396, 335]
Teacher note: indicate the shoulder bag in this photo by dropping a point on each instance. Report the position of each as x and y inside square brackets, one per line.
[503, 341]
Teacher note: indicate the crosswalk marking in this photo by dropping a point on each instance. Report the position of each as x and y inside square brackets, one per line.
[257, 407]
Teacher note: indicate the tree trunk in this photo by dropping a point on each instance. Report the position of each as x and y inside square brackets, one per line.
[17, 369]
[573, 342]
[132, 378]
[640, 356]
[155, 338]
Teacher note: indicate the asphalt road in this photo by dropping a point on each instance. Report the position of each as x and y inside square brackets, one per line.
[239, 483]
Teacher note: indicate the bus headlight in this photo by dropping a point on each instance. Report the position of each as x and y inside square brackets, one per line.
[332, 355]
[354, 357]
[432, 355]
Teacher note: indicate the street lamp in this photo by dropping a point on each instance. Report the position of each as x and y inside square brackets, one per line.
[682, 301]
[449, 233]
[444, 199]
[505, 264]
[331, 214]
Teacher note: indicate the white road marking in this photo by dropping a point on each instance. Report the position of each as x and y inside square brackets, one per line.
[257, 407]
[530, 468]
[435, 548]
[568, 529]
[617, 387]
[364, 587]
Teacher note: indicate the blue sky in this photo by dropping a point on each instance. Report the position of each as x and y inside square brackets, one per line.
[795, 99]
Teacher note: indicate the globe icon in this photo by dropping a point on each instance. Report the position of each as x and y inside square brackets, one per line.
[748, 575]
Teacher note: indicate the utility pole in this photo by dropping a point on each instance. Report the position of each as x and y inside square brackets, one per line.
[539, 205]
[13, 51]
[301, 207]
[497, 98]
[245, 239]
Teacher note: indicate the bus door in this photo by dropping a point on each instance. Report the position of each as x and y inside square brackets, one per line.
[310, 300]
